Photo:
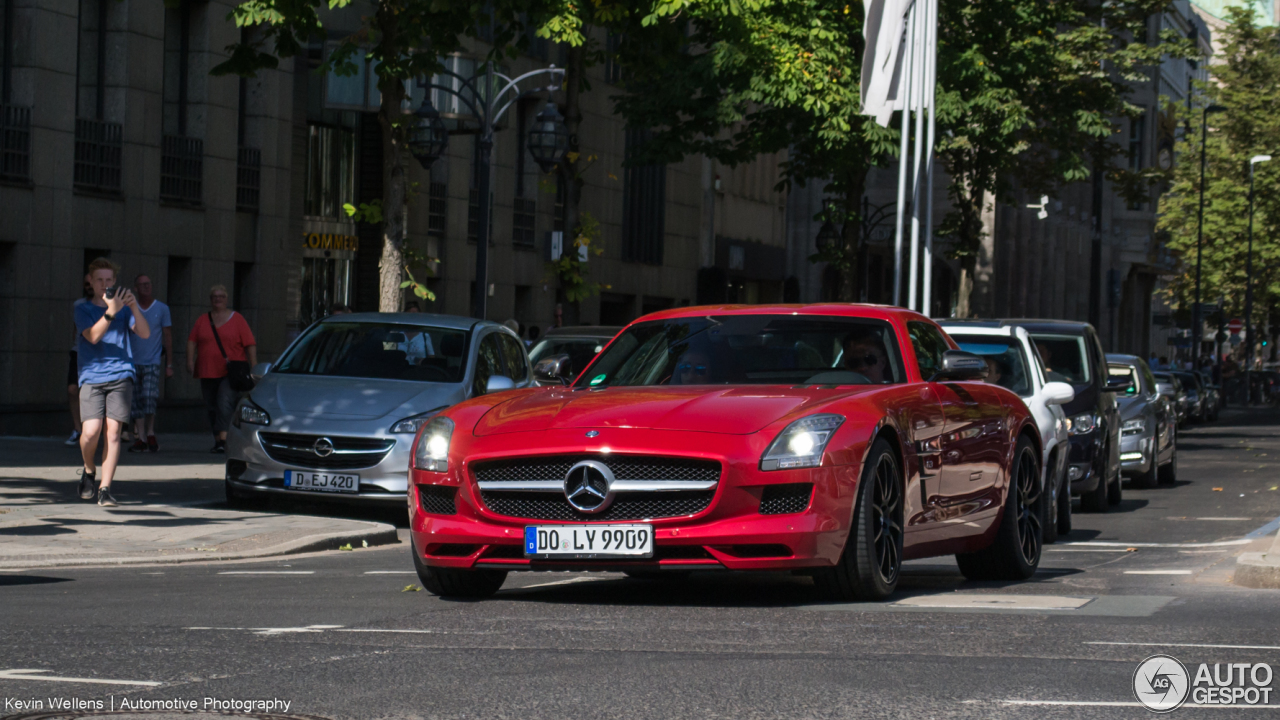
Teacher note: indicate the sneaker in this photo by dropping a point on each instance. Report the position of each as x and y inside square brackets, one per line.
[138, 446]
[88, 485]
[219, 446]
[104, 497]
[74, 439]
[152, 445]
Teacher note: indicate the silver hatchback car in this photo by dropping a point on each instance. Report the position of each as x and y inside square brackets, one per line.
[336, 415]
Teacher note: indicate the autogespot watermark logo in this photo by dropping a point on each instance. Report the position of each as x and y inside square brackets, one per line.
[1162, 684]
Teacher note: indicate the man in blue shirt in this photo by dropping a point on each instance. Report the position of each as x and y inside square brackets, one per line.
[105, 325]
[148, 354]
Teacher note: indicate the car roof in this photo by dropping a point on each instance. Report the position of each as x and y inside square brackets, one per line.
[1122, 358]
[966, 328]
[586, 331]
[452, 322]
[855, 310]
[1047, 325]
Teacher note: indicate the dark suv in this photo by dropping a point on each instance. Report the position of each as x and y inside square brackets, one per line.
[1072, 353]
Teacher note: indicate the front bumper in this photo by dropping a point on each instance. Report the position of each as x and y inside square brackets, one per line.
[252, 471]
[730, 533]
[1136, 453]
[1084, 461]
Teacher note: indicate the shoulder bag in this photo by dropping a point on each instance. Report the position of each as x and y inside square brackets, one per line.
[237, 370]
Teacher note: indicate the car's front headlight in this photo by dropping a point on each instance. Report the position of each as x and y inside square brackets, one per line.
[801, 444]
[249, 412]
[410, 425]
[432, 451]
[1082, 424]
[1137, 426]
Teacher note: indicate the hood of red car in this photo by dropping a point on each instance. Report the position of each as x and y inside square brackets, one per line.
[733, 411]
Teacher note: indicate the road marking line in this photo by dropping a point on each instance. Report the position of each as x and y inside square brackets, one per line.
[1090, 550]
[268, 572]
[1190, 645]
[1223, 543]
[1012, 602]
[380, 630]
[1202, 552]
[273, 631]
[560, 582]
[22, 674]
[1157, 572]
[390, 572]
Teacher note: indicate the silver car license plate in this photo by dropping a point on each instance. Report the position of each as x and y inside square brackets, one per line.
[321, 481]
[588, 541]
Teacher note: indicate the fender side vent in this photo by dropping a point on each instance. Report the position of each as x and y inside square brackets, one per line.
[437, 499]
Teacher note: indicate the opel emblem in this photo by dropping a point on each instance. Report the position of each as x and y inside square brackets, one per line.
[592, 433]
[323, 447]
[588, 486]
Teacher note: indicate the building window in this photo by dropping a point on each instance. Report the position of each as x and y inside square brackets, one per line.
[644, 190]
[248, 179]
[181, 169]
[331, 171]
[98, 152]
[15, 143]
[522, 221]
[437, 209]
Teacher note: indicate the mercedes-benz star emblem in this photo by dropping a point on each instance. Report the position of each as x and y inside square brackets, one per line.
[588, 486]
[593, 433]
[323, 447]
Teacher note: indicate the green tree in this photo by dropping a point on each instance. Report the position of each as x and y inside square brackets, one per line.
[1246, 82]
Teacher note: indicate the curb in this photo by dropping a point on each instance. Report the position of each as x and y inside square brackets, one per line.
[1255, 570]
[376, 534]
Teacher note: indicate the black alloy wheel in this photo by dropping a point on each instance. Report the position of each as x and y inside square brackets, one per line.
[1049, 503]
[1064, 509]
[1095, 500]
[871, 563]
[1015, 551]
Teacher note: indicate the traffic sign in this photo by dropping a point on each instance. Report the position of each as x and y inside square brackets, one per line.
[1236, 325]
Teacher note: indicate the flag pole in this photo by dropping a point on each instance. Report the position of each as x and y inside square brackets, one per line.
[930, 88]
[904, 83]
[915, 99]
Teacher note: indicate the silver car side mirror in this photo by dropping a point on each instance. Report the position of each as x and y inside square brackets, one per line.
[259, 370]
[498, 383]
[554, 370]
[1058, 393]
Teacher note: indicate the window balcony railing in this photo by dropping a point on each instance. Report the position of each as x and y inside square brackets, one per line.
[98, 153]
[15, 143]
[248, 179]
[181, 169]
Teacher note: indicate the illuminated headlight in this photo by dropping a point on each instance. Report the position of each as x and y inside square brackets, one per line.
[801, 445]
[432, 451]
[1137, 426]
[1082, 424]
[410, 425]
[249, 412]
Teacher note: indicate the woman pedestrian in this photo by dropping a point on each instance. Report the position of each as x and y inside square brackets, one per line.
[218, 337]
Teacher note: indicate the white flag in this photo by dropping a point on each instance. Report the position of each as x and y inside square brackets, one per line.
[884, 32]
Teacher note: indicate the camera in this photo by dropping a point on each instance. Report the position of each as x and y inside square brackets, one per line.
[112, 291]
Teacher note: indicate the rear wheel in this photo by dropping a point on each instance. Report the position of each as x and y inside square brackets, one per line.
[869, 567]
[1015, 552]
[458, 583]
[1169, 473]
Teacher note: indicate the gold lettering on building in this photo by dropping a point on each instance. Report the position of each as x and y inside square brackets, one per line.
[330, 241]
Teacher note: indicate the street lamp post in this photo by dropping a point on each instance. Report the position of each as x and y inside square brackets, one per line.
[548, 141]
[1248, 289]
[1197, 318]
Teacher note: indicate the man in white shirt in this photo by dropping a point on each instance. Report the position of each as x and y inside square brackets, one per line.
[148, 356]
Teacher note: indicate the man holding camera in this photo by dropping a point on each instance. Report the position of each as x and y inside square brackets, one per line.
[106, 373]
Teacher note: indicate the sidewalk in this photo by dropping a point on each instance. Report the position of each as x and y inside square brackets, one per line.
[170, 511]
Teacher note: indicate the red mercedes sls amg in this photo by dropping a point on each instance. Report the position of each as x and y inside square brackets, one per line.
[831, 440]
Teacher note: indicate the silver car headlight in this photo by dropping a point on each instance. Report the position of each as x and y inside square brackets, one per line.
[1137, 426]
[432, 450]
[801, 444]
[249, 412]
[410, 425]
[1082, 424]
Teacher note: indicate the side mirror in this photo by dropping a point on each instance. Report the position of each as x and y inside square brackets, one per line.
[259, 370]
[960, 365]
[1058, 393]
[554, 370]
[1117, 384]
[498, 383]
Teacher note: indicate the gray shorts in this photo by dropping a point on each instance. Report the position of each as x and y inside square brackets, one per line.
[111, 399]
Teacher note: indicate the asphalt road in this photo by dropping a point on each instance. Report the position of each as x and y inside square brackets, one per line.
[338, 636]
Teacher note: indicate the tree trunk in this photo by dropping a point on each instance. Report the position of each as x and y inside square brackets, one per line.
[982, 301]
[394, 185]
[851, 234]
[575, 65]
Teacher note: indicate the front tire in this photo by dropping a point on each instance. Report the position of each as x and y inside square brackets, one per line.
[871, 563]
[1049, 502]
[238, 501]
[1015, 552]
[1169, 473]
[457, 583]
[1064, 509]
[1115, 490]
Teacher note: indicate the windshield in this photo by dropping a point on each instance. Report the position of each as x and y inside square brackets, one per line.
[750, 350]
[1064, 358]
[1189, 380]
[579, 350]
[1126, 373]
[1006, 364]
[379, 350]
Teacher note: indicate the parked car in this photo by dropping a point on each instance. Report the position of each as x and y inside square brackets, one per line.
[336, 415]
[1014, 364]
[1195, 397]
[1072, 353]
[580, 343]
[835, 440]
[1212, 395]
[1171, 387]
[1149, 424]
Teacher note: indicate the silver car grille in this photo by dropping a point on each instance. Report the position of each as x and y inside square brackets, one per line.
[343, 453]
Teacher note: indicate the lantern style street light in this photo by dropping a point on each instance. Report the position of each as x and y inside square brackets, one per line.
[1248, 289]
[827, 236]
[548, 141]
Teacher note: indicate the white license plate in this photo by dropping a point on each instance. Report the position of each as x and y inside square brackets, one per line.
[588, 541]
[321, 482]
